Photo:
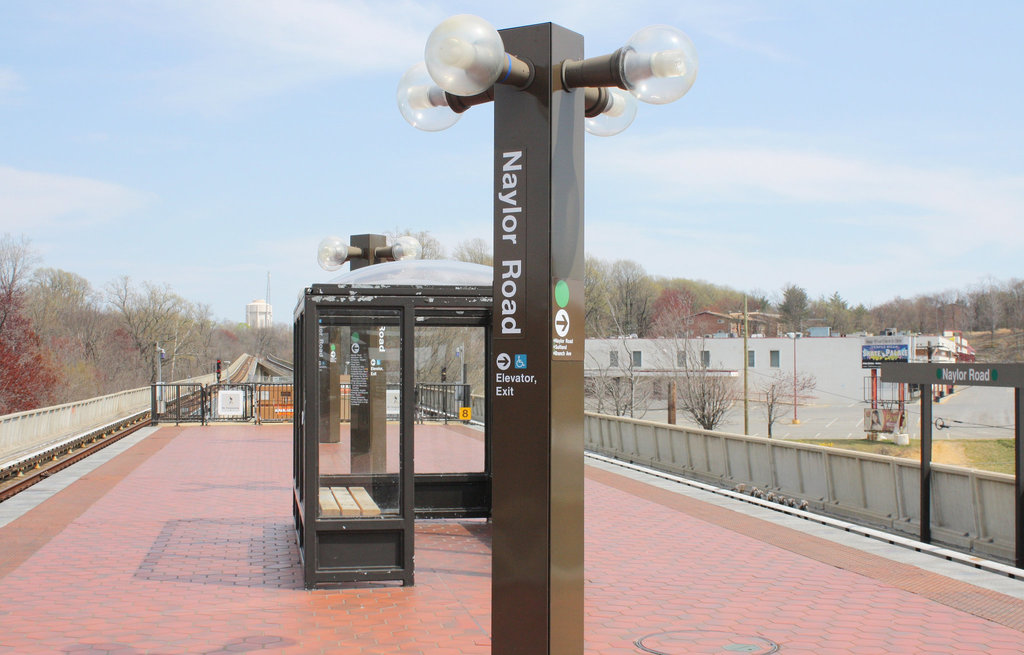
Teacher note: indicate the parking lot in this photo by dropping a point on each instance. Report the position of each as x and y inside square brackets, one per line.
[970, 413]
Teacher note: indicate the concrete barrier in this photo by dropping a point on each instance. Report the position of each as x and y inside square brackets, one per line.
[27, 430]
[971, 510]
[478, 403]
[23, 431]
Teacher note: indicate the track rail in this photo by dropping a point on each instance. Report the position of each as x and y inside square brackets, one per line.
[23, 472]
[243, 371]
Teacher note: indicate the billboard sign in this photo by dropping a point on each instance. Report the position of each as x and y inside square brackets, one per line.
[884, 420]
[874, 351]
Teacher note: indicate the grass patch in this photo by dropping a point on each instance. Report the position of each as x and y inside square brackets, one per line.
[996, 455]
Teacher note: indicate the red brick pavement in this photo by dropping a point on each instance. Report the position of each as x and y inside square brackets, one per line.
[183, 544]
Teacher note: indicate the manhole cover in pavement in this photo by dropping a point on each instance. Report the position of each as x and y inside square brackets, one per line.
[705, 642]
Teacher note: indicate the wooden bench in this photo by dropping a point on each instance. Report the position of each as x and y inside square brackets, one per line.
[347, 502]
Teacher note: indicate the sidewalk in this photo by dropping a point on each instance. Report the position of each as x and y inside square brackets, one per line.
[184, 544]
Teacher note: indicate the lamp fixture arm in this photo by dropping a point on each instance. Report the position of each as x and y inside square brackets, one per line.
[518, 73]
[602, 71]
[460, 104]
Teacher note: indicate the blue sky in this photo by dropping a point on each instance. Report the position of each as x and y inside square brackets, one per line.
[870, 148]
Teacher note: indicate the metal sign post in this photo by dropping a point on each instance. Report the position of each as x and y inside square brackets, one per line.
[542, 90]
[537, 392]
[983, 375]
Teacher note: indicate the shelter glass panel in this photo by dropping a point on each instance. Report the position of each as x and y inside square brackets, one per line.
[359, 379]
[450, 421]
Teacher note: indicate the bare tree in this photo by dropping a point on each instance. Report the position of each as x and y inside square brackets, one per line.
[988, 306]
[617, 385]
[16, 259]
[632, 294]
[432, 248]
[631, 392]
[779, 388]
[706, 395]
[597, 299]
[1015, 312]
[150, 316]
[475, 251]
[65, 313]
[63, 305]
[443, 349]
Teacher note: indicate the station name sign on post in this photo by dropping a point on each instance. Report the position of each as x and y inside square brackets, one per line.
[510, 250]
[984, 375]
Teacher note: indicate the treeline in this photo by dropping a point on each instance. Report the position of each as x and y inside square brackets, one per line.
[622, 299]
[63, 340]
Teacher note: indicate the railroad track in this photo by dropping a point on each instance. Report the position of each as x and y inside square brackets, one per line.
[243, 370]
[23, 472]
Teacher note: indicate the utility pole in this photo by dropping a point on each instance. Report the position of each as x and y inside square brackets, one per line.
[746, 362]
[796, 336]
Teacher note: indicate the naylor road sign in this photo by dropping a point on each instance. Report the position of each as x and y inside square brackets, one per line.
[984, 375]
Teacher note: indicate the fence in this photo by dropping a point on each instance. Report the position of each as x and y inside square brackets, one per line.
[273, 402]
[264, 402]
[178, 403]
[441, 400]
[971, 510]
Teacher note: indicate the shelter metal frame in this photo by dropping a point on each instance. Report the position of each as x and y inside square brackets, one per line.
[347, 550]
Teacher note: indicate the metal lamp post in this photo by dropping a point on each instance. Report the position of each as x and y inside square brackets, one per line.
[160, 354]
[796, 421]
[545, 94]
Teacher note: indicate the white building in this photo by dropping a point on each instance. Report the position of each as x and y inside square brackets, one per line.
[835, 362]
[259, 314]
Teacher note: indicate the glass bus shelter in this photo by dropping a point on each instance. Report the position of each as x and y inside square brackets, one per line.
[390, 414]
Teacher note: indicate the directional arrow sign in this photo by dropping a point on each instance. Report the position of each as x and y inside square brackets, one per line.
[562, 323]
[504, 361]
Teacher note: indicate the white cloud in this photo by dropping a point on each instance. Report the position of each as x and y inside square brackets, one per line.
[251, 49]
[10, 82]
[357, 36]
[759, 210]
[31, 201]
[945, 207]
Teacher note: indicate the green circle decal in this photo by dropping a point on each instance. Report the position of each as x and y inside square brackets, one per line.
[995, 375]
[562, 293]
[938, 374]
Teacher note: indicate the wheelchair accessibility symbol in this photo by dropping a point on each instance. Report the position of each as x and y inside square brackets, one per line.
[520, 361]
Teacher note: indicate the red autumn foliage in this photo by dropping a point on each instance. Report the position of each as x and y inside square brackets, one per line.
[27, 378]
[672, 310]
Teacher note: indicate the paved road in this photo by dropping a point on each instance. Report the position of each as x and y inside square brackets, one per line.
[970, 413]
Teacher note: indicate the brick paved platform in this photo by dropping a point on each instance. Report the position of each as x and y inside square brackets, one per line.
[183, 544]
